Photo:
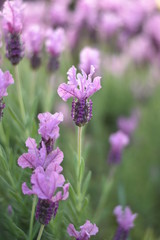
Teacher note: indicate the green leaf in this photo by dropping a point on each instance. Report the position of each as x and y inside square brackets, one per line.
[14, 116]
[86, 183]
[82, 169]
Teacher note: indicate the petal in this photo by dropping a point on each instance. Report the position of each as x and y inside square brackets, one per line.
[31, 145]
[26, 190]
[65, 191]
[72, 231]
[55, 156]
[27, 160]
[66, 91]
[90, 228]
[93, 87]
[72, 76]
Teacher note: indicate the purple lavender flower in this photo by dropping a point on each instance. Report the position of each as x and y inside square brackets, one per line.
[89, 56]
[59, 13]
[48, 128]
[125, 219]
[46, 185]
[128, 124]
[55, 44]
[80, 87]
[86, 231]
[38, 157]
[34, 37]
[6, 79]
[118, 141]
[12, 26]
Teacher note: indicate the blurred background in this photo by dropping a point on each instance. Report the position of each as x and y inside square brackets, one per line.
[126, 35]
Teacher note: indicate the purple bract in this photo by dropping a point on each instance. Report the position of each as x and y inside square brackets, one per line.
[86, 231]
[38, 157]
[80, 87]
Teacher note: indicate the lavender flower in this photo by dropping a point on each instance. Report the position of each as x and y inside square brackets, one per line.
[48, 128]
[89, 56]
[118, 141]
[86, 231]
[55, 45]
[46, 185]
[80, 87]
[34, 42]
[12, 26]
[128, 125]
[38, 157]
[6, 79]
[125, 219]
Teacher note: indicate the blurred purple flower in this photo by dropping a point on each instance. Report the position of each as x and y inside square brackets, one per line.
[89, 56]
[86, 231]
[80, 87]
[118, 141]
[141, 49]
[59, 13]
[6, 80]
[38, 157]
[46, 185]
[55, 44]
[152, 31]
[12, 26]
[125, 219]
[10, 210]
[12, 16]
[34, 37]
[128, 124]
[110, 23]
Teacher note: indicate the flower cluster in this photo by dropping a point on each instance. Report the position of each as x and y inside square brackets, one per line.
[80, 87]
[125, 219]
[47, 181]
[12, 27]
[54, 45]
[86, 231]
[6, 79]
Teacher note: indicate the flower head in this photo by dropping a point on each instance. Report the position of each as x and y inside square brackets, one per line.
[34, 37]
[6, 79]
[118, 141]
[48, 126]
[89, 56]
[49, 187]
[38, 157]
[86, 231]
[55, 42]
[125, 218]
[80, 87]
[12, 16]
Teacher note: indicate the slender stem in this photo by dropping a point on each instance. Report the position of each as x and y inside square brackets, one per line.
[32, 217]
[19, 92]
[79, 166]
[79, 145]
[40, 232]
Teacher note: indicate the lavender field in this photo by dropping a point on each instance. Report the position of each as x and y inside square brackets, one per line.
[79, 120]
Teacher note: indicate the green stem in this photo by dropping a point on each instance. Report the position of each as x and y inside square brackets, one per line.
[19, 92]
[79, 167]
[32, 217]
[40, 232]
[79, 146]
